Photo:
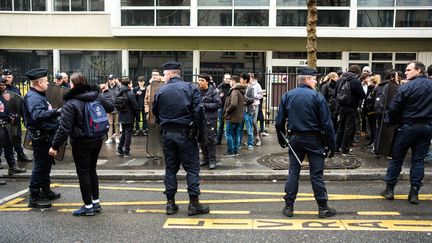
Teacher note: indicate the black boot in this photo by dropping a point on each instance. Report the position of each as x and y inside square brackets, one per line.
[325, 211]
[23, 157]
[388, 193]
[195, 207]
[171, 207]
[413, 195]
[36, 201]
[289, 208]
[49, 194]
[15, 170]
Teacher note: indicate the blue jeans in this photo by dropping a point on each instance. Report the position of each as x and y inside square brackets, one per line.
[248, 120]
[311, 146]
[233, 135]
[220, 129]
[416, 137]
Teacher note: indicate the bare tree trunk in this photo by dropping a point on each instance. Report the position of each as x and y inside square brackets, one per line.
[311, 46]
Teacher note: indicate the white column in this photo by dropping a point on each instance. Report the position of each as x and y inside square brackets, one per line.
[196, 63]
[113, 8]
[272, 14]
[345, 61]
[193, 14]
[353, 14]
[125, 63]
[56, 61]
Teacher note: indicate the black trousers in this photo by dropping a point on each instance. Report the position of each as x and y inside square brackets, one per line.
[42, 163]
[208, 145]
[85, 154]
[126, 137]
[346, 130]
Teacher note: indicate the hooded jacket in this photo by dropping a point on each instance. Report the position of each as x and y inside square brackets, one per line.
[234, 104]
[224, 89]
[128, 116]
[357, 92]
[210, 102]
[72, 114]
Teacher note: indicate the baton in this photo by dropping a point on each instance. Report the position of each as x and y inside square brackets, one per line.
[292, 150]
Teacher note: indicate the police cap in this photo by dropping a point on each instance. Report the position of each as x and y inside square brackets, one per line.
[171, 65]
[7, 72]
[36, 73]
[307, 71]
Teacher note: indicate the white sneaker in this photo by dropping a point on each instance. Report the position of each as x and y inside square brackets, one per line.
[108, 141]
[250, 148]
[117, 140]
[264, 134]
[258, 143]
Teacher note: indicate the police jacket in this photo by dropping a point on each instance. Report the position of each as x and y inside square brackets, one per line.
[72, 116]
[139, 97]
[38, 113]
[412, 102]
[210, 103]
[177, 104]
[306, 110]
[357, 92]
[129, 115]
[224, 89]
[234, 104]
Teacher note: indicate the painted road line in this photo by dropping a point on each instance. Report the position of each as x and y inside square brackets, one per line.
[15, 195]
[299, 224]
[15, 209]
[366, 213]
[216, 212]
[306, 212]
[150, 211]
[11, 202]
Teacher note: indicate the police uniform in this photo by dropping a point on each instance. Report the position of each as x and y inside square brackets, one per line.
[411, 111]
[5, 137]
[17, 143]
[41, 121]
[309, 127]
[177, 110]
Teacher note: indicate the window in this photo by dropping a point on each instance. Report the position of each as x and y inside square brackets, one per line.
[414, 3]
[291, 18]
[20, 61]
[78, 5]
[414, 18]
[382, 56]
[375, 18]
[251, 2]
[303, 55]
[302, 3]
[137, 2]
[214, 2]
[335, 18]
[173, 17]
[405, 56]
[375, 3]
[359, 56]
[172, 2]
[251, 17]
[214, 18]
[137, 17]
[23, 5]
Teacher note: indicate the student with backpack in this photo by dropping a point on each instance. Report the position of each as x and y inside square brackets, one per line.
[84, 119]
[127, 108]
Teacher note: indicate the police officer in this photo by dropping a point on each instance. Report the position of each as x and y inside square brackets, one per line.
[41, 121]
[309, 127]
[6, 119]
[176, 108]
[17, 144]
[411, 111]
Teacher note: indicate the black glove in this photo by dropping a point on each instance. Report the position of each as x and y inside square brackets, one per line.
[281, 140]
[329, 152]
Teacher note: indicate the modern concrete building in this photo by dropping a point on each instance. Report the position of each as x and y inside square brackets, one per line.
[131, 37]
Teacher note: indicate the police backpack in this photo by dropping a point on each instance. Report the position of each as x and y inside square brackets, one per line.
[96, 120]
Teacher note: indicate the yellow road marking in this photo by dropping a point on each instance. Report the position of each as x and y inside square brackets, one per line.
[12, 202]
[228, 212]
[211, 212]
[365, 213]
[299, 224]
[15, 209]
[150, 211]
[306, 212]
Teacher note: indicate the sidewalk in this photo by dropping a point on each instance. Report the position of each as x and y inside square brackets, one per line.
[247, 166]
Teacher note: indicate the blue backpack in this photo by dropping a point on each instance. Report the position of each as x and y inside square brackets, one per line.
[96, 120]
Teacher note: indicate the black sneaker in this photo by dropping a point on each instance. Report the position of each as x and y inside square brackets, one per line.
[126, 155]
[120, 152]
[83, 211]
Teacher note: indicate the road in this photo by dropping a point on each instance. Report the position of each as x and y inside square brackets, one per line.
[240, 212]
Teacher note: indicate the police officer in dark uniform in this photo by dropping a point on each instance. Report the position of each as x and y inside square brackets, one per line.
[17, 143]
[310, 132]
[411, 111]
[41, 121]
[6, 120]
[177, 110]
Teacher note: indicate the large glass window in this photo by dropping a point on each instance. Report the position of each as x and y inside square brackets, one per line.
[143, 62]
[375, 3]
[22, 5]
[172, 2]
[375, 18]
[303, 55]
[414, 18]
[78, 5]
[173, 17]
[335, 18]
[251, 17]
[137, 2]
[414, 3]
[137, 17]
[302, 3]
[94, 64]
[291, 18]
[214, 18]
[359, 56]
[21, 61]
[251, 2]
[406, 56]
[214, 2]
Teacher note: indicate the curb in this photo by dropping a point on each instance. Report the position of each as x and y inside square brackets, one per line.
[268, 175]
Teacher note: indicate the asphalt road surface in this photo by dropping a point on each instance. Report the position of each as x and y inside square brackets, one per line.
[240, 212]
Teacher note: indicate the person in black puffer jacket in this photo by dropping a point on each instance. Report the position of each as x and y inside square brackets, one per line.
[127, 118]
[210, 103]
[85, 150]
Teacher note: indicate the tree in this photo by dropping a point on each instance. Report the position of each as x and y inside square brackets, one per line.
[311, 45]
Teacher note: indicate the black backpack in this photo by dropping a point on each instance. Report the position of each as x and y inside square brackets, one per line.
[121, 102]
[343, 96]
